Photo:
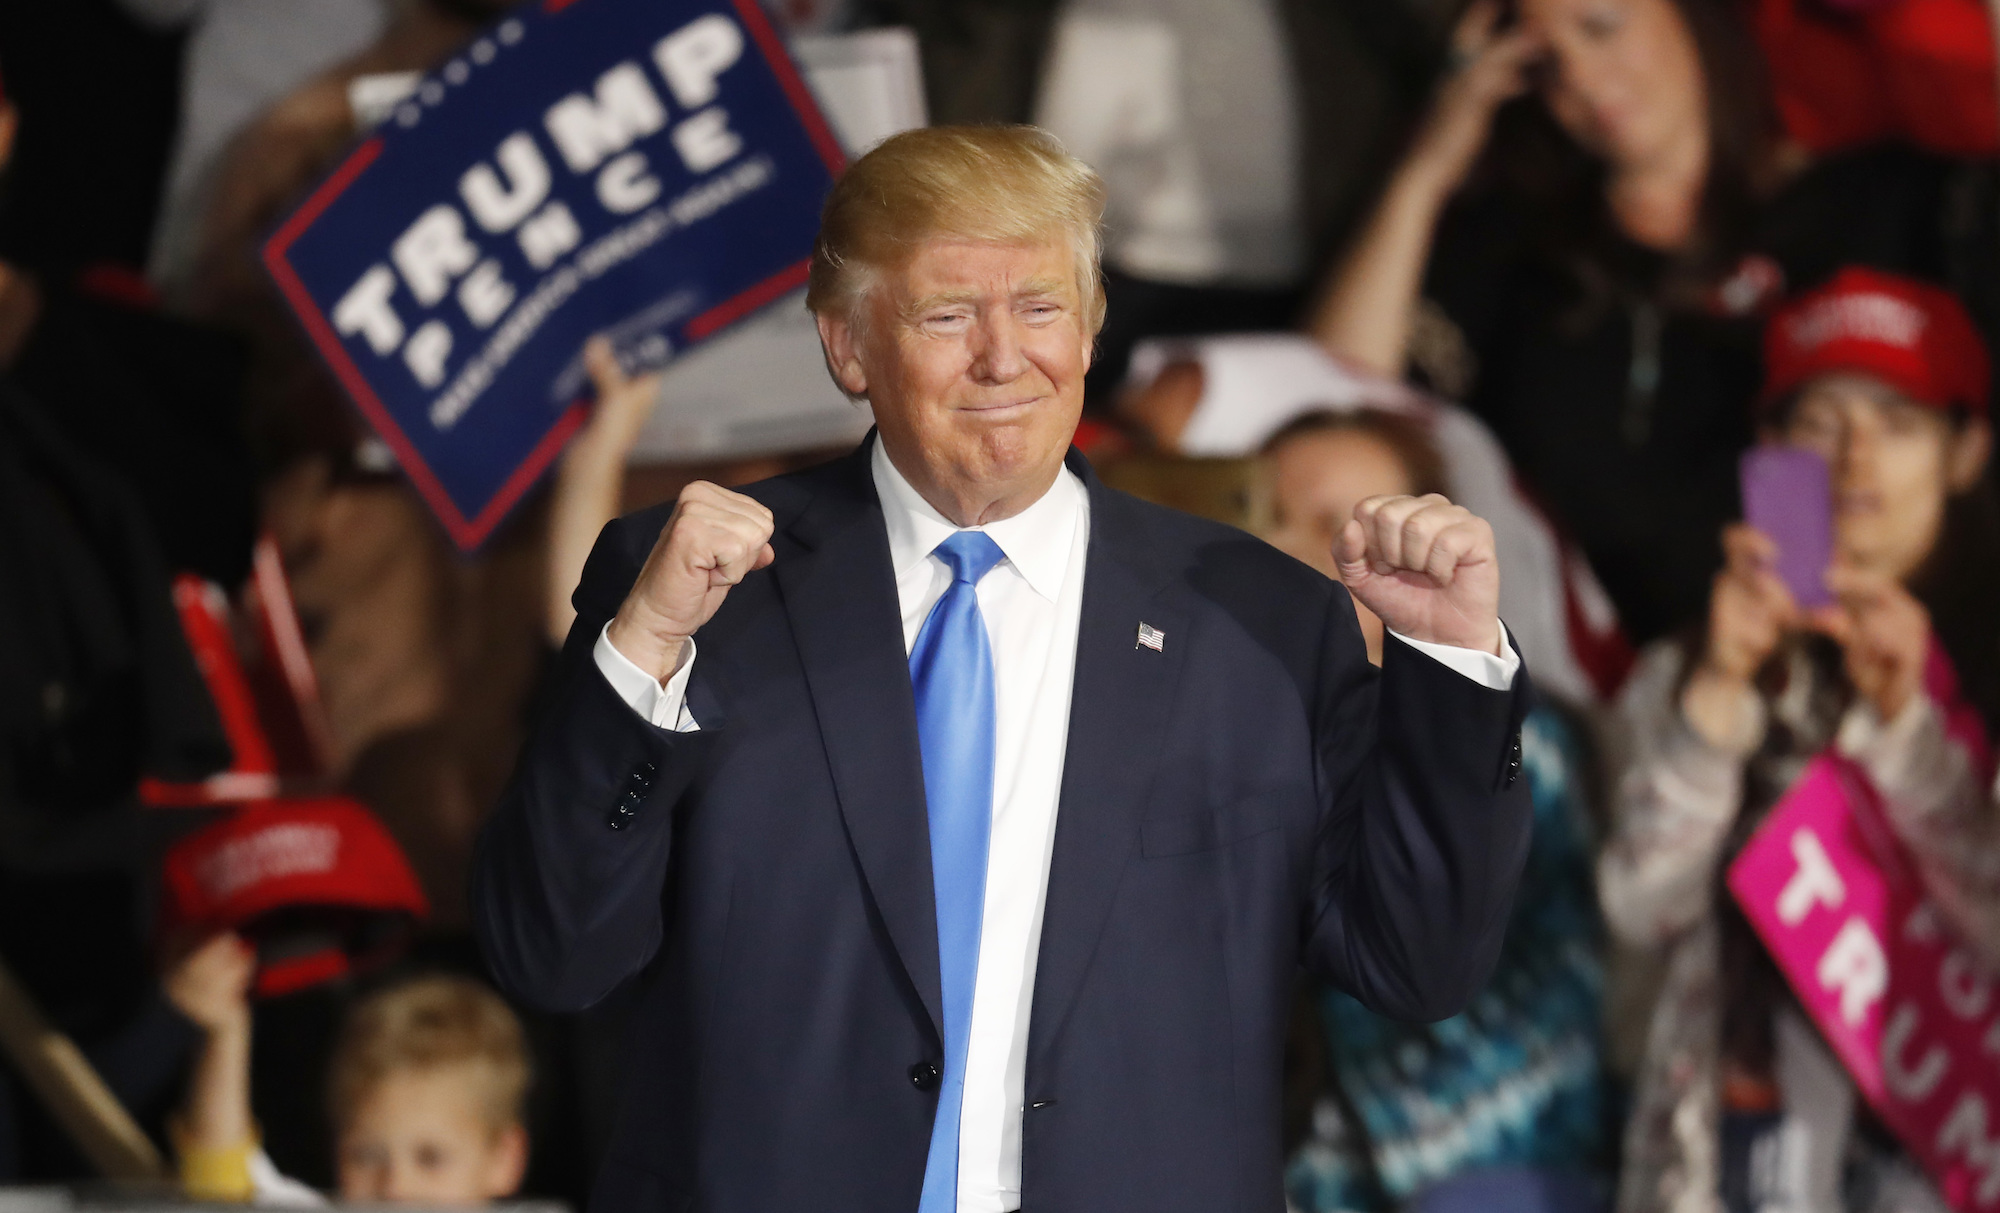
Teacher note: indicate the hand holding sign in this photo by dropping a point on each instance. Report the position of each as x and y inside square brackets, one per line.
[623, 401]
[590, 482]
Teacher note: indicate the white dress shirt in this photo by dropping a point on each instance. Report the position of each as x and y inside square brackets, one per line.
[1032, 602]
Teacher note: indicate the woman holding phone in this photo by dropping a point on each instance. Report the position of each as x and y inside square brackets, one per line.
[1580, 244]
[1886, 380]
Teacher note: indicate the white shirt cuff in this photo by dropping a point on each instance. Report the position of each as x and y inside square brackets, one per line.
[664, 706]
[1493, 673]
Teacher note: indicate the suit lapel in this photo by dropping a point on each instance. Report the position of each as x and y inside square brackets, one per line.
[840, 595]
[1119, 708]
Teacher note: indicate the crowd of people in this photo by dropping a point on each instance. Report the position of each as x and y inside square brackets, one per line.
[1564, 261]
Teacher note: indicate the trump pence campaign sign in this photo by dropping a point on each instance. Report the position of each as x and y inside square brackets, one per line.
[648, 169]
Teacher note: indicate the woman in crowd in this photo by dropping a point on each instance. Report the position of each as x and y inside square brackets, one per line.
[1594, 291]
[1501, 1106]
[1737, 1095]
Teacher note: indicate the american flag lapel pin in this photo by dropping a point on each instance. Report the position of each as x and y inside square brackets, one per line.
[1151, 637]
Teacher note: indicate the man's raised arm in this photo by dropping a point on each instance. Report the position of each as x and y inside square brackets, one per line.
[1427, 819]
[568, 877]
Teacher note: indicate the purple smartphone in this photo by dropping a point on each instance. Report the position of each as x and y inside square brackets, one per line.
[1788, 495]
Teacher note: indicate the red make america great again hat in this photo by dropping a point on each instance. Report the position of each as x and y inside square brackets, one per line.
[1915, 337]
[317, 884]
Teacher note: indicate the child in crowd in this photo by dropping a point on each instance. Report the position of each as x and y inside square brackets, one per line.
[1500, 1106]
[427, 1086]
[1322, 464]
[1739, 1101]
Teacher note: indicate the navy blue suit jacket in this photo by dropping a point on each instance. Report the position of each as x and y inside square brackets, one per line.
[1253, 796]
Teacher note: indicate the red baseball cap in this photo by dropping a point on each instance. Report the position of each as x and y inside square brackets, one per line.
[1913, 336]
[318, 885]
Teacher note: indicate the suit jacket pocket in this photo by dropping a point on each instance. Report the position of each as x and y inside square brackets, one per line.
[1181, 832]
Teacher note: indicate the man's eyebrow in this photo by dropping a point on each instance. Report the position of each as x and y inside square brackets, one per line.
[941, 299]
[1032, 289]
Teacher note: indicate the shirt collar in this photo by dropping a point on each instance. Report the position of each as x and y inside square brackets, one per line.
[1035, 541]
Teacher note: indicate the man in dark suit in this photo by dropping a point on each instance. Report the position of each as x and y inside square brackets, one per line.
[970, 860]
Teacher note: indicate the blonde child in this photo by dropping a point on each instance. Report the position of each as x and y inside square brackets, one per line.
[427, 1087]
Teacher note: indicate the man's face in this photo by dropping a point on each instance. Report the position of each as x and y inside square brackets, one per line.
[972, 355]
[421, 1136]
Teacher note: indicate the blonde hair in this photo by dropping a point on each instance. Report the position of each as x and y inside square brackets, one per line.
[425, 1024]
[1004, 184]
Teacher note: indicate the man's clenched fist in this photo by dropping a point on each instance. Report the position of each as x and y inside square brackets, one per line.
[713, 539]
[1427, 567]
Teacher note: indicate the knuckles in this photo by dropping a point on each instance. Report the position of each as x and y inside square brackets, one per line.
[1430, 523]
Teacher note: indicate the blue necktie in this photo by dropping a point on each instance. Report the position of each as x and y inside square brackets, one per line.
[951, 670]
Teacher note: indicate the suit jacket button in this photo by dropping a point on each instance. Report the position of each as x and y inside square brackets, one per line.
[925, 1076]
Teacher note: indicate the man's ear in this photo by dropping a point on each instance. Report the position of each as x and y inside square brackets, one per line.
[1965, 458]
[843, 353]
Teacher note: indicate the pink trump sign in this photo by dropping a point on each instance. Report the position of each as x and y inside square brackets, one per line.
[1907, 1008]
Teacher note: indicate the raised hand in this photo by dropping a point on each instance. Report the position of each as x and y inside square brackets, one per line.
[210, 984]
[1884, 633]
[1427, 567]
[1491, 67]
[623, 401]
[1749, 611]
[590, 480]
[712, 541]
[1749, 607]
